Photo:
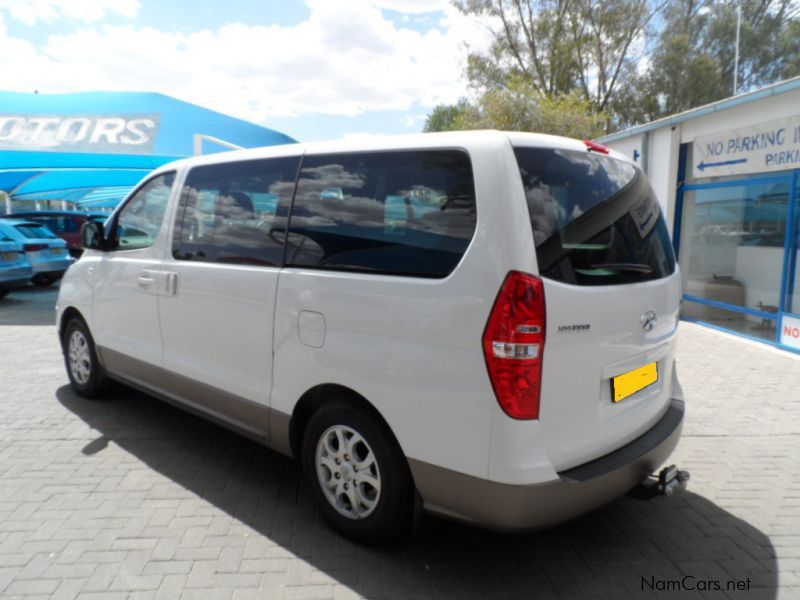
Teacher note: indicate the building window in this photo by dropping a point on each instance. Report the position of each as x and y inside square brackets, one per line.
[732, 253]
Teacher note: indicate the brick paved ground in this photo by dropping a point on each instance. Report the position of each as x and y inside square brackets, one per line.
[130, 498]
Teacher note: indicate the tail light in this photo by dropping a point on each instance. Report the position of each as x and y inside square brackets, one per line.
[34, 247]
[513, 344]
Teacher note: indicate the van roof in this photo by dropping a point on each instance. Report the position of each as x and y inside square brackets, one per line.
[468, 139]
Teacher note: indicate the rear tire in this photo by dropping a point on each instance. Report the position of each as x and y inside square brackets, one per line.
[4, 293]
[87, 376]
[357, 473]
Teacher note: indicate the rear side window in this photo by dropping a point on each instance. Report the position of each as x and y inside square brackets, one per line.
[400, 213]
[595, 219]
[229, 212]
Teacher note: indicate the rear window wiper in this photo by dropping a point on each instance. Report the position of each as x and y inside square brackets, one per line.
[633, 267]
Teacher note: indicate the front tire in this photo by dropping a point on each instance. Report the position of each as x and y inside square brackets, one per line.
[87, 376]
[357, 474]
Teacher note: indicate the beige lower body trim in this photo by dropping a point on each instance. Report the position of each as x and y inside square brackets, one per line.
[509, 507]
[255, 420]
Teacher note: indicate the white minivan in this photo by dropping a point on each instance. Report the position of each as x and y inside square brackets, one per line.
[480, 325]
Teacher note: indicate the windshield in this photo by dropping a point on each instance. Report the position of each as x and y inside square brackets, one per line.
[595, 219]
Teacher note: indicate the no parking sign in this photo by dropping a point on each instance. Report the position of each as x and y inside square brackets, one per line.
[790, 331]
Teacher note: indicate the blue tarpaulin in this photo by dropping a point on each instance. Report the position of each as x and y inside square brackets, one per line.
[91, 148]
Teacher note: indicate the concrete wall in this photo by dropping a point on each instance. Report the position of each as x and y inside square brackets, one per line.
[759, 111]
[628, 146]
[662, 169]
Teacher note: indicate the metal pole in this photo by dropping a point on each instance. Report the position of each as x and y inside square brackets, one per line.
[736, 60]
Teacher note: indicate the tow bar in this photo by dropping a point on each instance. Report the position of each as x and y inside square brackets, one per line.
[669, 481]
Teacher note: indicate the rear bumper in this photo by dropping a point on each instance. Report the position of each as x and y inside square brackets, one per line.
[55, 267]
[576, 491]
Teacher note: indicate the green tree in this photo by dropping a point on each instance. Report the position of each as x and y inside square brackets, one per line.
[613, 60]
[552, 67]
[559, 47]
[693, 60]
[520, 107]
[446, 117]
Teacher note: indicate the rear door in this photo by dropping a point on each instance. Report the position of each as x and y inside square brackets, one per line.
[612, 296]
[218, 287]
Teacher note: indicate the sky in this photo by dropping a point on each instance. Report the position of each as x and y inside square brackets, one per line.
[313, 69]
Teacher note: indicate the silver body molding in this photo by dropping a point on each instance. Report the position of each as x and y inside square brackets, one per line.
[257, 421]
[507, 507]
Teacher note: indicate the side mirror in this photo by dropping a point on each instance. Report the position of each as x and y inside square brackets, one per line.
[93, 236]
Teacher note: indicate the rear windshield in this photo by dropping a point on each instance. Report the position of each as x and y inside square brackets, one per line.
[34, 231]
[595, 219]
[59, 223]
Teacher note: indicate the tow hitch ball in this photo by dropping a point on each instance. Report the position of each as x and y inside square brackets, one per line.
[668, 481]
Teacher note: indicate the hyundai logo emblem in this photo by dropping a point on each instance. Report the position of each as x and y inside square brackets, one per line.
[649, 320]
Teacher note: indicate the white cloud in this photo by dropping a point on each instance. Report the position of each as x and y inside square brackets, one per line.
[413, 120]
[31, 12]
[346, 59]
[412, 6]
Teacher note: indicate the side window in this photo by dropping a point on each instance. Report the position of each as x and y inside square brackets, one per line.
[139, 221]
[229, 212]
[402, 213]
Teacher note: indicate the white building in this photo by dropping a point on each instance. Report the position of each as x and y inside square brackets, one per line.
[727, 176]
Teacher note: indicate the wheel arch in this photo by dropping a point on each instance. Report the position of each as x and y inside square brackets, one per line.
[69, 313]
[315, 397]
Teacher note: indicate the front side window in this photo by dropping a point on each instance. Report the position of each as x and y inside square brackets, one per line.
[595, 219]
[401, 213]
[229, 212]
[139, 221]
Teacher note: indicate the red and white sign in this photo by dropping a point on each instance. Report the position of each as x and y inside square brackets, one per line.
[790, 331]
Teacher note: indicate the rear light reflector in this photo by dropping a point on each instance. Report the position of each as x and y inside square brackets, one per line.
[513, 344]
[34, 247]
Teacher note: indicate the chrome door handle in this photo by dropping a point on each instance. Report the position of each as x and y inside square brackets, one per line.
[172, 284]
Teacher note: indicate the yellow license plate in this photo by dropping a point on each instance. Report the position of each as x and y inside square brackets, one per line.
[631, 382]
[8, 255]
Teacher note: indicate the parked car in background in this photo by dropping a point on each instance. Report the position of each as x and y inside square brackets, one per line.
[100, 217]
[47, 253]
[15, 268]
[66, 224]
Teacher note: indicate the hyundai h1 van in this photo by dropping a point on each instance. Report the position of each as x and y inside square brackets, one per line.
[480, 325]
